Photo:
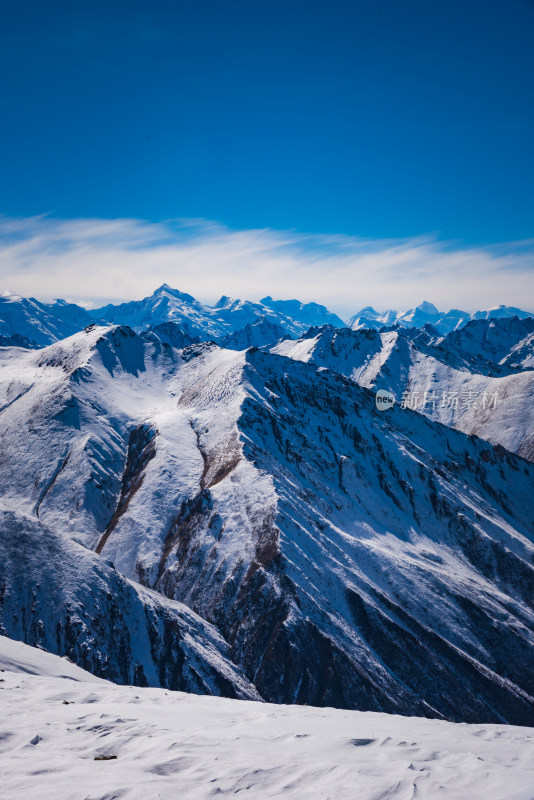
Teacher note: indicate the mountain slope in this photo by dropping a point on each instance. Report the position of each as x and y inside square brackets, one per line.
[170, 333]
[361, 560]
[493, 340]
[60, 596]
[450, 381]
[262, 333]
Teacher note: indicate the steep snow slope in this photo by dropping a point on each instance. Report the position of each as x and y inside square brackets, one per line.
[40, 323]
[67, 600]
[19, 657]
[350, 558]
[62, 737]
[449, 382]
[521, 356]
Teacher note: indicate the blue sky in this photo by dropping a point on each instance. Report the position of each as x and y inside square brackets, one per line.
[379, 120]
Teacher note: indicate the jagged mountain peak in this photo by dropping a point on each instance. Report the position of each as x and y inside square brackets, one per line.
[224, 301]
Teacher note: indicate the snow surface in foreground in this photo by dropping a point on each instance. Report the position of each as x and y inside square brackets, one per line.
[57, 719]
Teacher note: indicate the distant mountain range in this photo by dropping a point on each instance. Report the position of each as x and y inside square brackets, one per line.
[428, 314]
[37, 324]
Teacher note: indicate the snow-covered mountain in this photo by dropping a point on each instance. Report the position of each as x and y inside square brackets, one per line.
[500, 341]
[61, 729]
[426, 313]
[165, 305]
[361, 560]
[197, 319]
[26, 322]
[262, 333]
[501, 312]
[237, 314]
[449, 379]
[40, 323]
[369, 318]
[307, 314]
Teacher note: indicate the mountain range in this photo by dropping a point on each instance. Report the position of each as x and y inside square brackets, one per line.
[245, 522]
[36, 324]
[427, 314]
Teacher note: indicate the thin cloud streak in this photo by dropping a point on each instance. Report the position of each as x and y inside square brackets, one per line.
[95, 261]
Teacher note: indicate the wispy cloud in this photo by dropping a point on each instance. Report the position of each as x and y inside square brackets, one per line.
[96, 261]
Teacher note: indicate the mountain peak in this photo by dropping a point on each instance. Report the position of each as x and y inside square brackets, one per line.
[223, 302]
[164, 288]
[427, 308]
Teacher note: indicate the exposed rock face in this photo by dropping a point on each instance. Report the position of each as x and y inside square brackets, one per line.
[348, 558]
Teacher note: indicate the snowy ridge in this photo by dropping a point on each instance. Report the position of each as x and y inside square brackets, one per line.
[417, 366]
[58, 734]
